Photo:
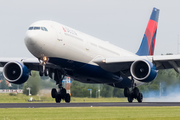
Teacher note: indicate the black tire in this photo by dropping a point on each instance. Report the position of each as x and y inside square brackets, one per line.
[126, 92]
[130, 98]
[136, 92]
[67, 98]
[58, 98]
[40, 73]
[63, 93]
[140, 98]
[53, 93]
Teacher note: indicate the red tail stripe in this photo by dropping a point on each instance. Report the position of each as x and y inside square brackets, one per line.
[150, 31]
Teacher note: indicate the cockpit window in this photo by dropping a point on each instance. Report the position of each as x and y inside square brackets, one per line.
[30, 28]
[44, 29]
[38, 28]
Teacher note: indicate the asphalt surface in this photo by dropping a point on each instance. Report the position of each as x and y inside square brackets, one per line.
[103, 104]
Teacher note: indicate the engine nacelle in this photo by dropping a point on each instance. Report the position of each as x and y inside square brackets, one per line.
[16, 72]
[143, 70]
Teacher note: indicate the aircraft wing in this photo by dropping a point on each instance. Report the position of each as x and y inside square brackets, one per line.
[124, 63]
[167, 62]
[31, 63]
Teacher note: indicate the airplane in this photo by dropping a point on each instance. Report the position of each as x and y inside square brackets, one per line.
[61, 51]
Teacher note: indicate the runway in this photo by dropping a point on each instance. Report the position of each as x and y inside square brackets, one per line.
[102, 104]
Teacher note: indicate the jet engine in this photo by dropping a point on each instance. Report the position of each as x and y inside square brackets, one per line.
[143, 70]
[16, 72]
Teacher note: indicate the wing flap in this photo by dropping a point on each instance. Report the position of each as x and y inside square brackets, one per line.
[174, 65]
[167, 62]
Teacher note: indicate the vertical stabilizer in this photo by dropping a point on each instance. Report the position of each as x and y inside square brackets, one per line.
[149, 39]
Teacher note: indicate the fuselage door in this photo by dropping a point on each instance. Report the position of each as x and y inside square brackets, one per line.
[59, 33]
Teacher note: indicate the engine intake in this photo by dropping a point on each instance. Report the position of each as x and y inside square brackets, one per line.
[143, 70]
[16, 72]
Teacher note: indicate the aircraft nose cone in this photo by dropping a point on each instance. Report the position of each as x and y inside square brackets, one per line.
[30, 38]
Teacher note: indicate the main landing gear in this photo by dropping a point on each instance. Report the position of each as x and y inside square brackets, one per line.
[60, 94]
[133, 94]
[58, 77]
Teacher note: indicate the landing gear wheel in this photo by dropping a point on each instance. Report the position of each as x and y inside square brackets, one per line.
[41, 73]
[140, 98]
[136, 92]
[67, 98]
[63, 93]
[126, 92]
[54, 93]
[130, 98]
[58, 98]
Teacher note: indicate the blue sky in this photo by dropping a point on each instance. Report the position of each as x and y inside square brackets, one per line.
[121, 22]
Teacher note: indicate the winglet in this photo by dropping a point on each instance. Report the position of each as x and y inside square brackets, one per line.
[148, 41]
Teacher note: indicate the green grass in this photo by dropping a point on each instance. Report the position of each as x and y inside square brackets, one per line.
[91, 113]
[21, 98]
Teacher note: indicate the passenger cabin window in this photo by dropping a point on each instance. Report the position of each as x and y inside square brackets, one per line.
[38, 28]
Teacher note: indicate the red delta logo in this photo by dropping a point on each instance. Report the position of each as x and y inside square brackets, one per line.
[70, 31]
[64, 29]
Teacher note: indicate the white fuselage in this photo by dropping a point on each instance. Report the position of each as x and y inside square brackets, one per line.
[64, 42]
[73, 50]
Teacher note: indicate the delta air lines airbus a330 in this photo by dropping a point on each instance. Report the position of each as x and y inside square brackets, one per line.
[62, 51]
